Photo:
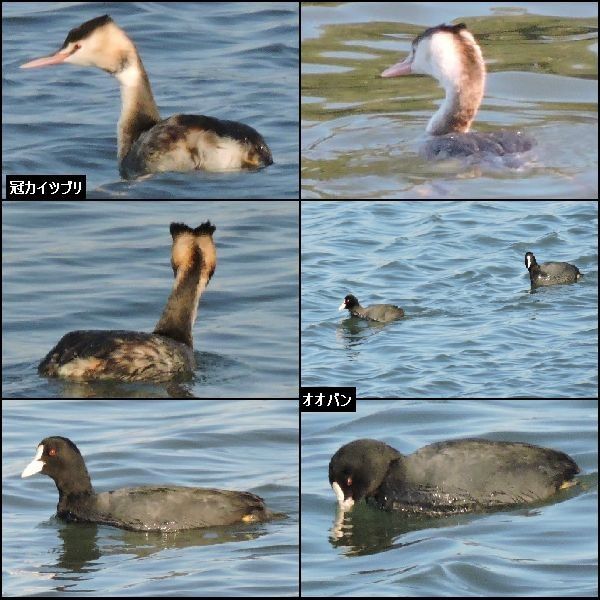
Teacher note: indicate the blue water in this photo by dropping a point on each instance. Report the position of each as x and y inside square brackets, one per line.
[546, 550]
[240, 445]
[473, 327]
[230, 60]
[106, 265]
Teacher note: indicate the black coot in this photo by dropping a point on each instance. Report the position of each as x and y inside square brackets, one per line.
[160, 508]
[550, 273]
[447, 477]
[384, 313]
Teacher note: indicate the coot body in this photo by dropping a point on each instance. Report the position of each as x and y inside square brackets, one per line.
[148, 508]
[550, 273]
[383, 313]
[448, 477]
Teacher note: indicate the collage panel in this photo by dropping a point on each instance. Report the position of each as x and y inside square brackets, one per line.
[413, 299]
[450, 498]
[125, 100]
[155, 498]
[150, 299]
[447, 100]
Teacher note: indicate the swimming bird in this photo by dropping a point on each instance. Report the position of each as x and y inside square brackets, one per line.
[450, 54]
[162, 508]
[550, 273]
[164, 354]
[383, 313]
[146, 143]
[448, 477]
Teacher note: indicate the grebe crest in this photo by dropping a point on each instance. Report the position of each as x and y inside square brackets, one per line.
[147, 144]
[166, 353]
[450, 54]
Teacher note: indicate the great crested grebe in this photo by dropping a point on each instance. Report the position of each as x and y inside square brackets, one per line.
[148, 144]
[450, 54]
[135, 356]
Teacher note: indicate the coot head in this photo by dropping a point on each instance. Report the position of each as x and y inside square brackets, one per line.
[357, 470]
[349, 302]
[145, 508]
[60, 459]
[448, 477]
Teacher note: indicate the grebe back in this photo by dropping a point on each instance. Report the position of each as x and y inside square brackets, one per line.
[450, 54]
[135, 356]
[147, 144]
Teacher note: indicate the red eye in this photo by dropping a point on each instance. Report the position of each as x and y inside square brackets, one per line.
[349, 482]
[52, 452]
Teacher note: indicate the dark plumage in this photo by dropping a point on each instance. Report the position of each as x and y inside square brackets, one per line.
[159, 508]
[384, 313]
[448, 477]
[550, 273]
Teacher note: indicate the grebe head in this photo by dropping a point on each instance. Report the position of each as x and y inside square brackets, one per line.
[96, 43]
[450, 54]
[101, 43]
[193, 248]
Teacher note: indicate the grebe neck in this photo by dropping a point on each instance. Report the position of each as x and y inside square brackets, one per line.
[194, 260]
[138, 111]
[461, 71]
